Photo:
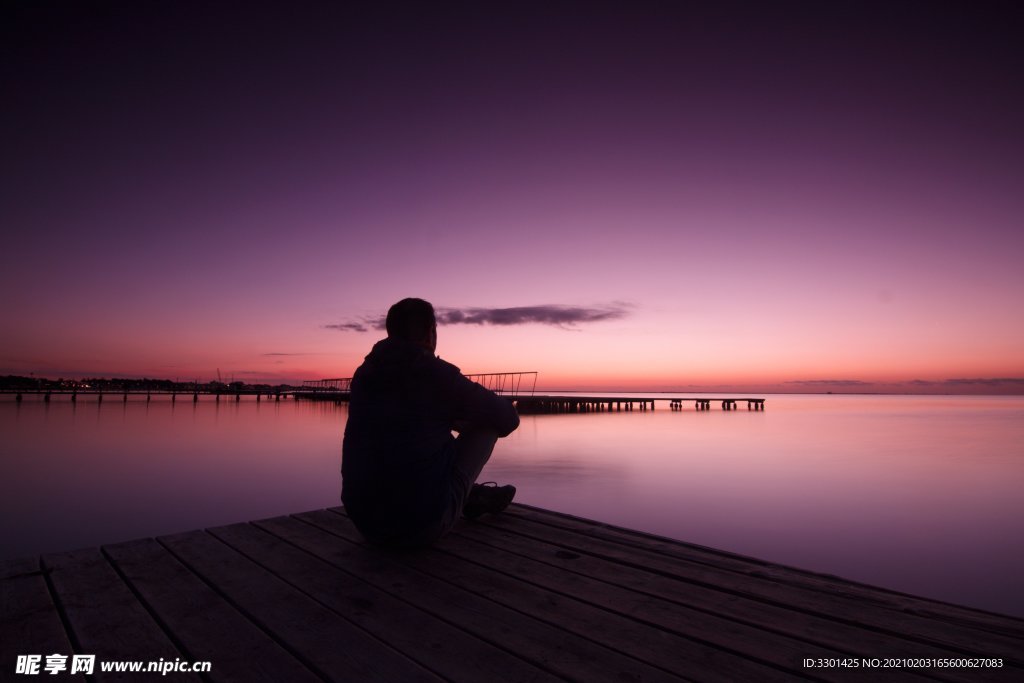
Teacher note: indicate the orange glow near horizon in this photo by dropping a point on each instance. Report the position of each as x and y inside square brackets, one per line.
[645, 350]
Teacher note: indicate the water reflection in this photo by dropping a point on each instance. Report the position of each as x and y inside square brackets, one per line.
[915, 493]
[78, 475]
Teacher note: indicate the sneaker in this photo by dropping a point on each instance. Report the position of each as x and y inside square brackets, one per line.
[487, 497]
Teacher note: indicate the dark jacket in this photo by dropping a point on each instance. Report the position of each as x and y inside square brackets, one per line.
[398, 451]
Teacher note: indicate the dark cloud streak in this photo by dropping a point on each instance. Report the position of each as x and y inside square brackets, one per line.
[566, 317]
[992, 382]
[830, 382]
[562, 316]
[348, 327]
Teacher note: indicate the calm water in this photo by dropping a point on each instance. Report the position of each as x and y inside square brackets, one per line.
[920, 494]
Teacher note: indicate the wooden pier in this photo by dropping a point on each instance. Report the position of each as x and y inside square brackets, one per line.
[528, 595]
[575, 403]
[519, 387]
[572, 403]
[122, 395]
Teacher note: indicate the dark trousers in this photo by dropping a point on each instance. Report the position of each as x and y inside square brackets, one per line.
[473, 448]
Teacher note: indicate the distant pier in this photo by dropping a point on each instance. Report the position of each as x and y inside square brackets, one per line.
[116, 394]
[727, 403]
[519, 388]
[569, 403]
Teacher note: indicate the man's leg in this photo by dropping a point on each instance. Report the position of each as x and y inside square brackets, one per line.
[473, 448]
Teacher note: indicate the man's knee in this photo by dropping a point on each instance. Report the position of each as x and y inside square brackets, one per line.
[473, 448]
[477, 440]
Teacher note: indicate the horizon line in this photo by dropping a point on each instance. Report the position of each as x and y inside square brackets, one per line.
[996, 386]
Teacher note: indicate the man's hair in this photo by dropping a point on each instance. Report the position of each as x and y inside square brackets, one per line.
[410, 319]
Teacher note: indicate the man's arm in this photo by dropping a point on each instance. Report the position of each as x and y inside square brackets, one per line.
[480, 407]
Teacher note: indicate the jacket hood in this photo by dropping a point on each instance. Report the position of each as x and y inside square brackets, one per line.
[397, 352]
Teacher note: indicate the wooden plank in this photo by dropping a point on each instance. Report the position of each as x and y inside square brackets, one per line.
[970, 642]
[206, 625]
[687, 637]
[326, 643]
[104, 615]
[29, 621]
[967, 616]
[650, 645]
[768, 633]
[452, 653]
[553, 649]
[591, 609]
[525, 596]
[17, 566]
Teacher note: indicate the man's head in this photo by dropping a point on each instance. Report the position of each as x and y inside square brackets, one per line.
[413, 320]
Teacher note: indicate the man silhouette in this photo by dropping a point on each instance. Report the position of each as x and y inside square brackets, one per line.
[405, 477]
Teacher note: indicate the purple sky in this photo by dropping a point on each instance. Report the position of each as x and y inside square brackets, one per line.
[794, 196]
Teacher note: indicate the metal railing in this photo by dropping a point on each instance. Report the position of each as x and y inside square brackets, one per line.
[507, 383]
[339, 384]
[501, 383]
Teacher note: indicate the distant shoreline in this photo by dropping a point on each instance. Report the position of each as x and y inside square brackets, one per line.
[968, 387]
